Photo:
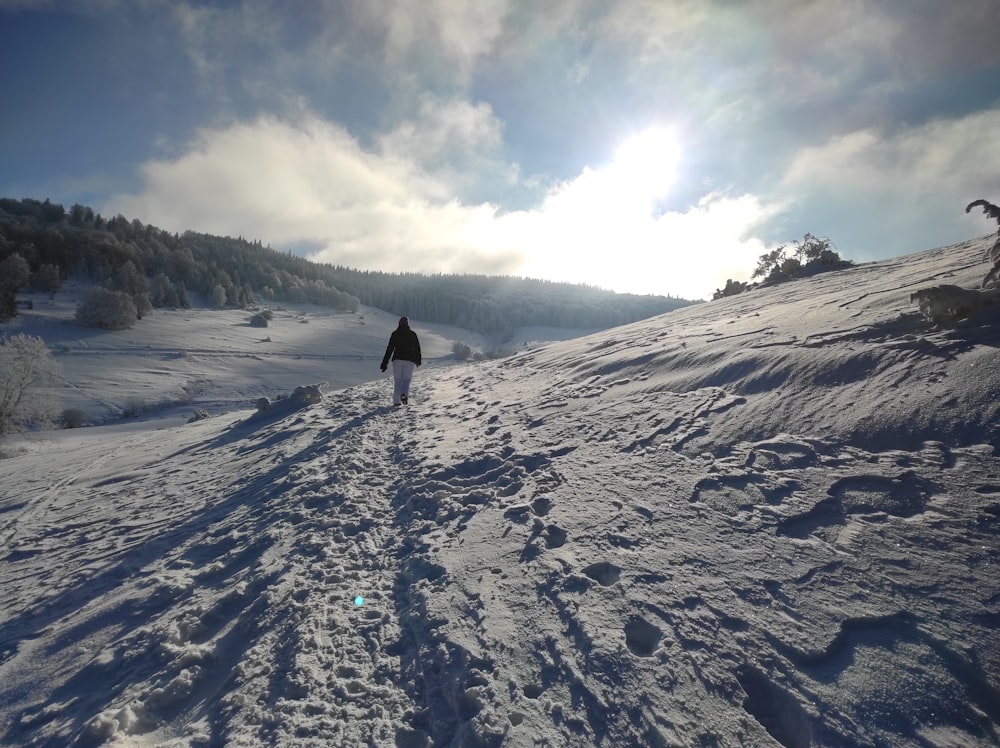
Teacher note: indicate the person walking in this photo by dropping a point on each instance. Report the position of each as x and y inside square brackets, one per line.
[404, 349]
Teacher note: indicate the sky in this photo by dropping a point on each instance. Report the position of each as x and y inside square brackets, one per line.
[644, 146]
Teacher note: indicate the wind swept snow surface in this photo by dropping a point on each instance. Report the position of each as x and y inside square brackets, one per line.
[768, 520]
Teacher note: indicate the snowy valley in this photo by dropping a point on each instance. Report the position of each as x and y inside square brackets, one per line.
[772, 519]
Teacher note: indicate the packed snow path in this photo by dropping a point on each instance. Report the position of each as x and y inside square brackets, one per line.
[217, 593]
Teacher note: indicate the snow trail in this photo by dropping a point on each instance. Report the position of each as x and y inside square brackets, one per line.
[250, 564]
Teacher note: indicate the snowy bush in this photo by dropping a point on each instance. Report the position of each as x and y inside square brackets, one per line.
[732, 289]
[308, 395]
[258, 320]
[71, 418]
[811, 255]
[944, 305]
[461, 351]
[25, 366]
[108, 310]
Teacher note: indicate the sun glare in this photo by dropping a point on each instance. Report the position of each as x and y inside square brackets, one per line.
[646, 163]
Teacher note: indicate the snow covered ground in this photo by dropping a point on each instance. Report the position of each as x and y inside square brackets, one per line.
[772, 519]
[216, 360]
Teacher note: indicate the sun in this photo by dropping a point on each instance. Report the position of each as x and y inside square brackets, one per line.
[646, 163]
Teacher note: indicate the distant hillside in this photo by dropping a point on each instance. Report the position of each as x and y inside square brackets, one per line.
[57, 243]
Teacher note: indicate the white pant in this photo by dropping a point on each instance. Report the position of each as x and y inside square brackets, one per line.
[402, 372]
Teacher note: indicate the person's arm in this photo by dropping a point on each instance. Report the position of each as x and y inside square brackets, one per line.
[388, 352]
[416, 340]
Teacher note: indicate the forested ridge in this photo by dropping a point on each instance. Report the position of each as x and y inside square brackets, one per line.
[56, 243]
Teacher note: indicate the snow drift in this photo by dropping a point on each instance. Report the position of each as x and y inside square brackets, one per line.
[768, 520]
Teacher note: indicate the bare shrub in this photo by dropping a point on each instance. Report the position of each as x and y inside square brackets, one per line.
[200, 414]
[71, 418]
[133, 406]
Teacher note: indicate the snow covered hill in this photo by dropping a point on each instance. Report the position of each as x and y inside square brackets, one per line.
[773, 519]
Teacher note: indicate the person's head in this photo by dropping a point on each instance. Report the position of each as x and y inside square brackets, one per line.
[404, 321]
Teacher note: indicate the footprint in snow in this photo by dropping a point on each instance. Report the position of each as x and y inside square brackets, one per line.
[555, 536]
[604, 573]
[775, 709]
[642, 637]
[904, 496]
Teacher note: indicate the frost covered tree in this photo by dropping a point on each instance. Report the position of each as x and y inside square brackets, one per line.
[142, 305]
[14, 273]
[993, 254]
[47, 278]
[25, 366]
[128, 279]
[108, 310]
[219, 296]
[162, 292]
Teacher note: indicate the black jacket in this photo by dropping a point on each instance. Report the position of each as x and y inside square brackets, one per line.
[404, 345]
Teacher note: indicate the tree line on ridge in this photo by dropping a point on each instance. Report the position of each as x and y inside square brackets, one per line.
[42, 244]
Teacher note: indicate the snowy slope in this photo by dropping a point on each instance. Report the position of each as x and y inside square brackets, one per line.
[768, 520]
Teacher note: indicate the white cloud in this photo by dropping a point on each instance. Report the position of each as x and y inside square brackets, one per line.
[915, 181]
[197, 26]
[956, 153]
[454, 33]
[310, 184]
[444, 131]
[603, 228]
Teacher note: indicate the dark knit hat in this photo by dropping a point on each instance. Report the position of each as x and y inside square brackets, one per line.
[404, 321]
